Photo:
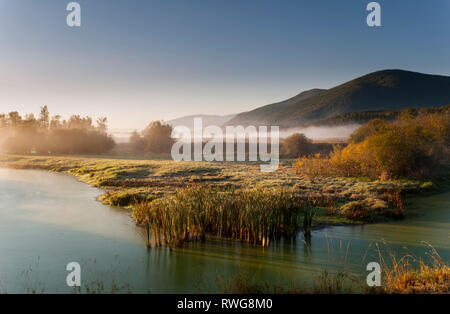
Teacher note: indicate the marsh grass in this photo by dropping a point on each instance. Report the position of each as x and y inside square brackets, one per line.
[395, 198]
[257, 216]
[410, 274]
[126, 181]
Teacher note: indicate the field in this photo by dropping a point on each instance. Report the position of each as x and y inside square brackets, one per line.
[126, 181]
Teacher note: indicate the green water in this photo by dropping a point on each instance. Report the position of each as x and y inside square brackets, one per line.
[49, 219]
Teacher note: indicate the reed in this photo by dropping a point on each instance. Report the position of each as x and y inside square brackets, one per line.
[395, 199]
[257, 216]
[410, 274]
[308, 215]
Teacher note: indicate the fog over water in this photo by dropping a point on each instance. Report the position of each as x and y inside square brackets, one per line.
[322, 132]
[312, 132]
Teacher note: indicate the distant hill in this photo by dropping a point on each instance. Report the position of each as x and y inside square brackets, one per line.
[206, 119]
[260, 114]
[382, 90]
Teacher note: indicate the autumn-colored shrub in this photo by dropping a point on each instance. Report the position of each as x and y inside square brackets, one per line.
[409, 147]
[312, 166]
[297, 145]
[355, 210]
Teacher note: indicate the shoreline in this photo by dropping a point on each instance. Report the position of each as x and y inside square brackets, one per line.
[89, 170]
[215, 240]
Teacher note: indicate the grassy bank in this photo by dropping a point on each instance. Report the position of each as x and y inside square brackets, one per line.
[126, 181]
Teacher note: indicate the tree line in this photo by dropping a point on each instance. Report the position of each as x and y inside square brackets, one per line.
[48, 134]
[390, 115]
[155, 138]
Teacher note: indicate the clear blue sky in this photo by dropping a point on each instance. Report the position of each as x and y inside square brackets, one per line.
[139, 60]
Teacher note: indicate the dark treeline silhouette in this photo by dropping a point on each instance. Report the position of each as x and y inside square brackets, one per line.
[362, 117]
[52, 135]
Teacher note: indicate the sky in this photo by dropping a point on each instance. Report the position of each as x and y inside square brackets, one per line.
[135, 61]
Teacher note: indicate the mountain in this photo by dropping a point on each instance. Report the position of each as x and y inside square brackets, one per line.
[260, 114]
[382, 90]
[207, 120]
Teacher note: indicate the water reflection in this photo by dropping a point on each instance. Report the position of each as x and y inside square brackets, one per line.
[55, 219]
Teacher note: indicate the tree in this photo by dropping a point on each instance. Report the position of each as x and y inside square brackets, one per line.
[44, 118]
[137, 142]
[14, 119]
[408, 147]
[55, 122]
[158, 137]
[297, 145]
[42, 135]
[372, 127]
[102, 124]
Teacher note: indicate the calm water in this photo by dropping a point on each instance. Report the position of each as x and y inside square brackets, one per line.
[49, 219]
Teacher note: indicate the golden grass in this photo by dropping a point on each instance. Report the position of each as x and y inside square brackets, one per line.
[256, 216]
[411, 275]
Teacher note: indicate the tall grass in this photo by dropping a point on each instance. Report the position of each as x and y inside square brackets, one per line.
[412, 275]
[395, 198]
[254, 215]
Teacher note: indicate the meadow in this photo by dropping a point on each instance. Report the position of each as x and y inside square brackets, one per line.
[128, 181]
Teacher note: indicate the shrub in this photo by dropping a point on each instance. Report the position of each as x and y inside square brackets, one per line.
[366, 209]
[409, 147]
[355, 210]
[297, 145]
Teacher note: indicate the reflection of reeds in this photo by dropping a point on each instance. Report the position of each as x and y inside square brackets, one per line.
[257, 216]
[308, 215]
[395, 198]
[324, 283]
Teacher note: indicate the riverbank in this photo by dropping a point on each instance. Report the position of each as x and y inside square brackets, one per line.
[126, 181]
[52, 218]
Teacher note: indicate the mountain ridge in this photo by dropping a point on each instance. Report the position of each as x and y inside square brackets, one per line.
[391, 89]
[207, 120]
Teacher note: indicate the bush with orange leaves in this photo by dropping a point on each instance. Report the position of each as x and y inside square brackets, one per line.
[408, 147]
[312, 166]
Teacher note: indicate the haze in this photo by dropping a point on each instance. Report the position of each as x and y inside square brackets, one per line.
[137, 61]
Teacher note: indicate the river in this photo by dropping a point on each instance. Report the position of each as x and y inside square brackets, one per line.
[48, 220]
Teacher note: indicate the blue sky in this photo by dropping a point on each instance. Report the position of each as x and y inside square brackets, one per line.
[139, 60]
